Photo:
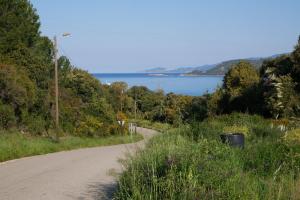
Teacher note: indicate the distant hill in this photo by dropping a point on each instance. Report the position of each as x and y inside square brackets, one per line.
[182, 70]
[213, 69]
[156, 70]
[223, 67]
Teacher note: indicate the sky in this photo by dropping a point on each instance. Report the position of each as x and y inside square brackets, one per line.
[133, 35]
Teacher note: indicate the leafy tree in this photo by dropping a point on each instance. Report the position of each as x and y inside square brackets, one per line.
[198, 109]
[117, 93]
[152, 100]
[239, 78]
[16, 88]
[216, 102]
[27, 85]
[140, 94]
[101, 108]
[241, 90]
[150, 103]
[280, 66]
[41, 66]
[19, 26]
[296, 68]
[27, 57]
[20, 40]
[280, 97]
[65, 70]
[83, 84]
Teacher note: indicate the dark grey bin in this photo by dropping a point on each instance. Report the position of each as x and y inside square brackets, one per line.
[233, 139]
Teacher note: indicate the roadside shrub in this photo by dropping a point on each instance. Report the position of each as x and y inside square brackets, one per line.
[36, 125]
[113, 129]
[7, 116]
[90, 127]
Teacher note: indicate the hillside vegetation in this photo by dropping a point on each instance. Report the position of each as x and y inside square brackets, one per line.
[88, 109]
[27, 81]
[223, 67]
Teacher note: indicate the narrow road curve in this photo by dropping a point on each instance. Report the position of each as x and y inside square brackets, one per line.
[77, 174]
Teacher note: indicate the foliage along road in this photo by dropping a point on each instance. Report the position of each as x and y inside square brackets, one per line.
[77, 174]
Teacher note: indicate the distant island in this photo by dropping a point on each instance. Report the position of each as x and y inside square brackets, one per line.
[213, 69]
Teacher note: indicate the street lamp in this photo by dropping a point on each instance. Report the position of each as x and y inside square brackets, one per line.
[66, 34]
[56, 84]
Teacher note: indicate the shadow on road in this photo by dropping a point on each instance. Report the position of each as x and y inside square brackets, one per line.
[99, 191]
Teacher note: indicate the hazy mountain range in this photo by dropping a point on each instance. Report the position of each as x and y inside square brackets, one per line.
[213, 69]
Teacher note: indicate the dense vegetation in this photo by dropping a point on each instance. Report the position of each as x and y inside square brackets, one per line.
[27, 82]
[192, 163]
[27, 96]
[273, 91]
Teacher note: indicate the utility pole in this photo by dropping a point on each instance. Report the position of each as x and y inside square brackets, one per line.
[56, 89]
[121, 99]
[56, 84]
[135, 107]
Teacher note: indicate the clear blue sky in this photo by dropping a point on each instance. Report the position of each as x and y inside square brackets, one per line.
[131, 35]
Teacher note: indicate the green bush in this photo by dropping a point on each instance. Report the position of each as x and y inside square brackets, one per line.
[35, 125]
[91, 127]
[7, 116]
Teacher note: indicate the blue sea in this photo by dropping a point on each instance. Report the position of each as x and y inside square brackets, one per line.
[176, 83]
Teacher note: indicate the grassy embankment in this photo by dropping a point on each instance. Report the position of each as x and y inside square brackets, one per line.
[192, 163]
[16, 145]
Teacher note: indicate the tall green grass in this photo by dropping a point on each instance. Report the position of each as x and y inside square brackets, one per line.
[192, 163]
[15, 145]
[161, 127]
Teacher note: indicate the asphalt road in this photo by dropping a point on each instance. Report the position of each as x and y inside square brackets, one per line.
[77, 174]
